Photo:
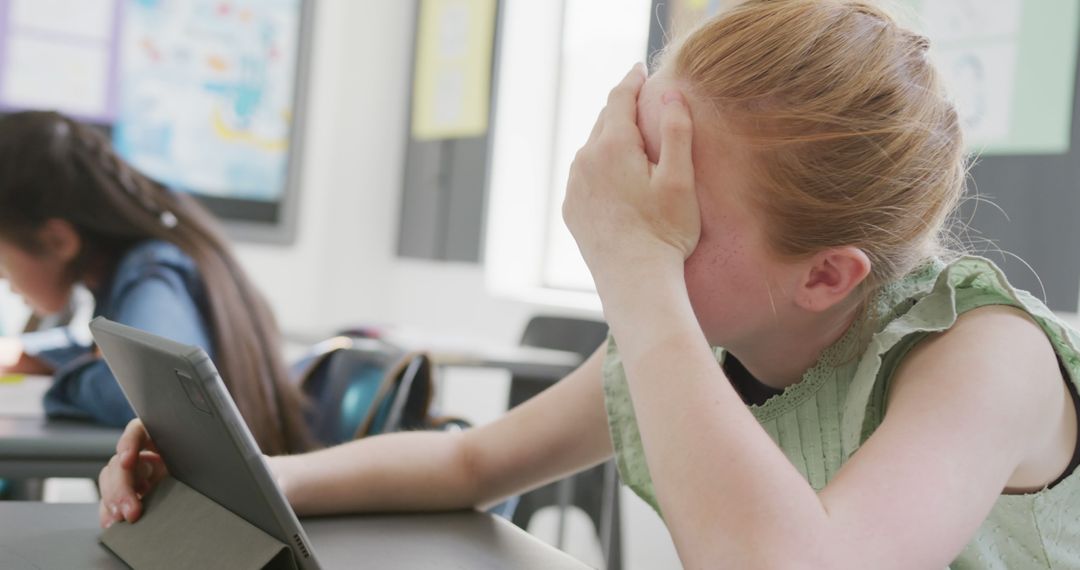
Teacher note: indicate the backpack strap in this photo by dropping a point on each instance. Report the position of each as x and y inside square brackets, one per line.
[403, 398]
[316, 356]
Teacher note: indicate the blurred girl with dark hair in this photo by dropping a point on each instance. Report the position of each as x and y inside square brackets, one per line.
[73, 212]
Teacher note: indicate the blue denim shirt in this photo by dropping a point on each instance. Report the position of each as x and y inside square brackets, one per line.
[156, 287]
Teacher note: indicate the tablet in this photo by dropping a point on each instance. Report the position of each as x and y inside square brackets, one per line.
[177, 393]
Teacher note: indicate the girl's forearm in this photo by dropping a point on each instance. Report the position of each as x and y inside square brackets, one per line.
[411, 471]
[724, 503]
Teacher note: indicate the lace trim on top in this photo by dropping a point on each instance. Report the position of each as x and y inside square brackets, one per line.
[889, 303]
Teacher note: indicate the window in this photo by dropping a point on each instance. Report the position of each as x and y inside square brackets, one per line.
[557, 62]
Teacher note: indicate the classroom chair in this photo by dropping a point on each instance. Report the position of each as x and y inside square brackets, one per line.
[596, 490]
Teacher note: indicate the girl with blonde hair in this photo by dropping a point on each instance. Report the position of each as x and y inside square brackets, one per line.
[798, 374]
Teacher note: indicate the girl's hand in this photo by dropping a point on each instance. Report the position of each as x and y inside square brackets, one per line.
[132, 473]
[11, 351]
[14, 361]
[624, 212]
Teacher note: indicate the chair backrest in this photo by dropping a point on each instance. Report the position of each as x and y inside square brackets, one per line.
[571, 334]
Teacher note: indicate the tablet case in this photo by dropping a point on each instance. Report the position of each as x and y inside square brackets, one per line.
[182, 529]
[206, 445]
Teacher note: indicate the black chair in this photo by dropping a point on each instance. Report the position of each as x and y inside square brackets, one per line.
[596, 490]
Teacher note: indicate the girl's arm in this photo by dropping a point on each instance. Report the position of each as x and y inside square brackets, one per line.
[961, 419]
[558, 432]
[967, 409]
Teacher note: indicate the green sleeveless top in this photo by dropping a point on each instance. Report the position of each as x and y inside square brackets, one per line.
[821, 420]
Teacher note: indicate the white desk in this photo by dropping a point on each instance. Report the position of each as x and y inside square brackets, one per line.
[22, 398]
[524, 361]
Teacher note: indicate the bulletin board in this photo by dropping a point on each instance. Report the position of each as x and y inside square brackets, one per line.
[205, 96]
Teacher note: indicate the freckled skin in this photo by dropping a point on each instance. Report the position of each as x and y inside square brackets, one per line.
[729, 276]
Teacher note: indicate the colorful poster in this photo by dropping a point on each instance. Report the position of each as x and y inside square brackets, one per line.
[206, 95]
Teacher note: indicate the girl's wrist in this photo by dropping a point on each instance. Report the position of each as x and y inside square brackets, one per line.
[637, 280]
[283, 470]
[646, 304]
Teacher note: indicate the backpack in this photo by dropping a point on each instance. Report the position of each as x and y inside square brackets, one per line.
[360, 386]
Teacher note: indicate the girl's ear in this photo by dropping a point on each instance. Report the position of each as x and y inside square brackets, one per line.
[831, 276]
[60, 239]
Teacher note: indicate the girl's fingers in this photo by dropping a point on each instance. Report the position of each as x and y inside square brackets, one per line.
[675, 171]
[107, 516]
[620, 114]
[621, 99]
[132, 441]
[129, 475]
[118, 499]
[151, 468]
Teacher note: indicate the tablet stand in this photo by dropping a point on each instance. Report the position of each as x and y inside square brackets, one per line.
[182, 528]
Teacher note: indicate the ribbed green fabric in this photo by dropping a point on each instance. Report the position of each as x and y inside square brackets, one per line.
[821, 420]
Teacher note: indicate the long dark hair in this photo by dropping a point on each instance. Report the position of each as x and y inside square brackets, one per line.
[52, 167]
